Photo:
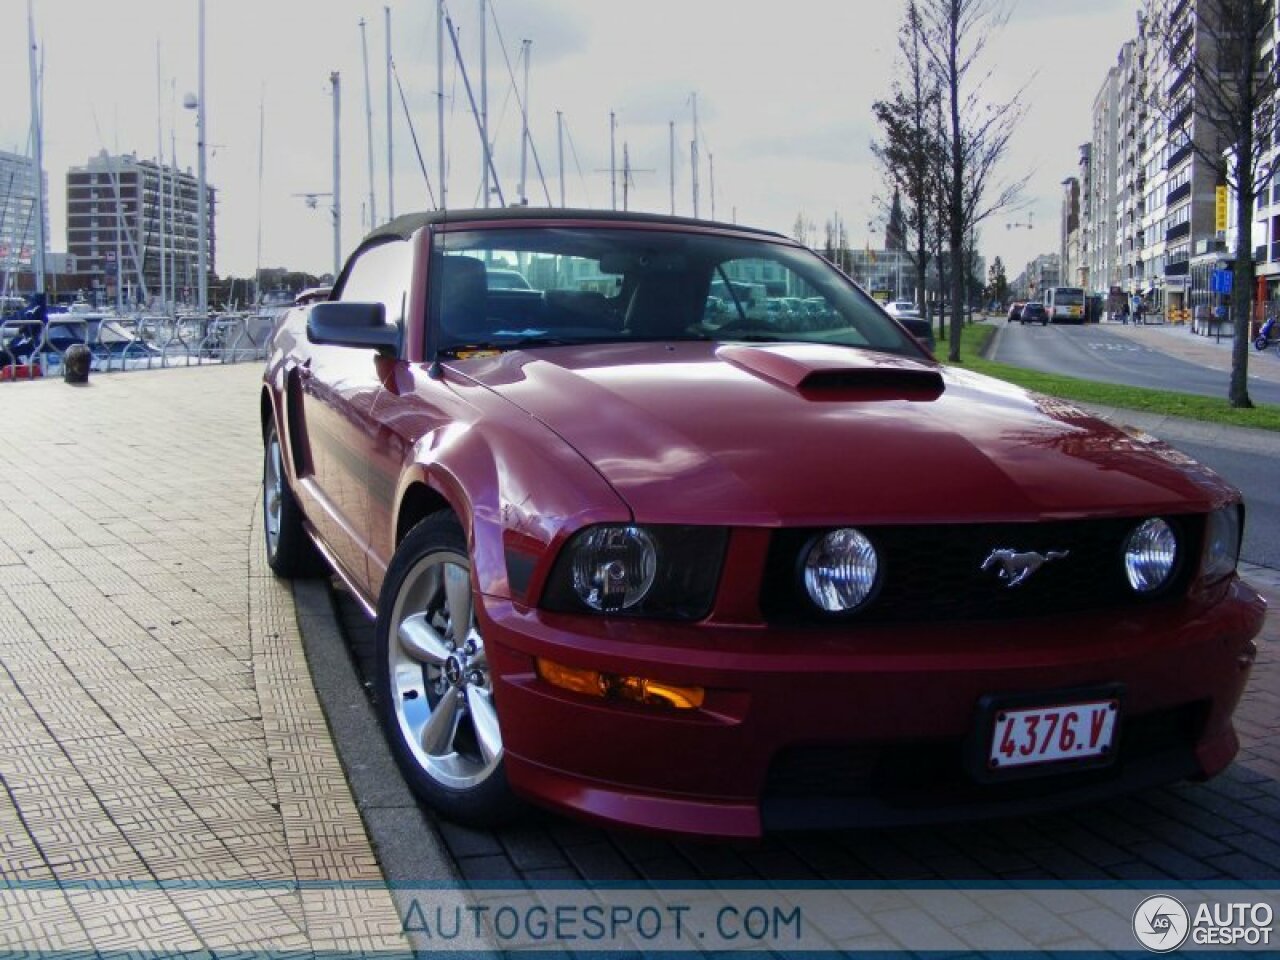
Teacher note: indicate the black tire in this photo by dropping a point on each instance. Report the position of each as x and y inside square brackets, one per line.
[429, 668]
[1260, 343]
[290, 552]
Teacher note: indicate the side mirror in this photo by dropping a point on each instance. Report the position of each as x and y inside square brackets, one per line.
[359, 325]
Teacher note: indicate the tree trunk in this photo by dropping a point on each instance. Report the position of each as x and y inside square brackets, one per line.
[956, 192]
[1242, 282]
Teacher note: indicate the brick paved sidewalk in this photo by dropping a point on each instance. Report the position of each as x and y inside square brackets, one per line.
[168, 777]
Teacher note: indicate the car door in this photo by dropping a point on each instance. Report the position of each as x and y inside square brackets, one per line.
[339, 395]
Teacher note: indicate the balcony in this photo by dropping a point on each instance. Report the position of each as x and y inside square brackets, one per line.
[1275, 252]
[1178, 156]
[1177, 232]
[1178, 193]
[1177, 268]
[1183, 76]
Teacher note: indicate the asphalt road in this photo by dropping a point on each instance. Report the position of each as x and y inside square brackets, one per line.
[1091, 352]
[1253, 470]
[1246, 458]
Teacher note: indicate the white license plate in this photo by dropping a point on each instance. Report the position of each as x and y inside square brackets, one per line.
[1069, 731]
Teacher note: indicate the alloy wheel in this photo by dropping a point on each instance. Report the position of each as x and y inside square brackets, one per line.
[273, 493]
[440, 689]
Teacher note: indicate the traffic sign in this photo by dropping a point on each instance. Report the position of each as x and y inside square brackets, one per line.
[1220, 282]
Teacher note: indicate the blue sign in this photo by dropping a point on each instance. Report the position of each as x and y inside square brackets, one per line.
[1220, 282]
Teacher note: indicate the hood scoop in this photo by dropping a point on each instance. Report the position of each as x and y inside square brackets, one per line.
[823, 372]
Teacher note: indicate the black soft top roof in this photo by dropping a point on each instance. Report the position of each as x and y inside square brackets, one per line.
[407, 224]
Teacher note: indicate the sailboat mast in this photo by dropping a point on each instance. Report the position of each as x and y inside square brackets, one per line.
[391, 177]
[444, 204]
[164, 271]
[693, 155]
[491, 175]
[560, 151]
[613, 160]
[202, 199]
[524, 127]
[626, 174]
[368, 117]
[337, 175]
[262, 141]
[711, 176]
[484, 95]
[37, 132]
[173, 192]
[671, 128]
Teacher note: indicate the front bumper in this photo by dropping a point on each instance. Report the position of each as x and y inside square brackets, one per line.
[854, 726]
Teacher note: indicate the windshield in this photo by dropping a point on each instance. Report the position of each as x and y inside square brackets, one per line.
[1068, 296]
[592, 285]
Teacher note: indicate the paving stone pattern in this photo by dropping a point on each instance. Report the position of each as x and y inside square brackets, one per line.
[168, 777]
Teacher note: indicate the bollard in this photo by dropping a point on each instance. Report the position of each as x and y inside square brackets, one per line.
[75, 364]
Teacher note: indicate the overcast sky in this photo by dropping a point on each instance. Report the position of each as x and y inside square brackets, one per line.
[784, 94]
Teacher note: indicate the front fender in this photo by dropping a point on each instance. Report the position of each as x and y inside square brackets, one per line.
[518, 490]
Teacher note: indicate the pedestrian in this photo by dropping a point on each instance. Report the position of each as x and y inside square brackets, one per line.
[1124, 313]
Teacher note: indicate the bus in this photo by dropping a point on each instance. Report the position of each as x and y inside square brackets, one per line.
[1064, 304]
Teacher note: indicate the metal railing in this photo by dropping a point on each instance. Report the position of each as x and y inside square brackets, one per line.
[29, 349]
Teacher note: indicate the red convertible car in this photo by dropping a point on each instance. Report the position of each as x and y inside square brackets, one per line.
[722, 571]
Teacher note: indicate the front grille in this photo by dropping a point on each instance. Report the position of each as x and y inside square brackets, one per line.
[934, 572]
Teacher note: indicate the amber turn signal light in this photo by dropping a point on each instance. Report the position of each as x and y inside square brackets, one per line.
[611, 686]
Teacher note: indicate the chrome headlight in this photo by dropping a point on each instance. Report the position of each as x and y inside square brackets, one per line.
[1150, 553]
[840, 570]
[663, 571]
[1221, 543]
[614, 567]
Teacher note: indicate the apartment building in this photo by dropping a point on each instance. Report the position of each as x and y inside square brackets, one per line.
[19, 207]
[1069, 231]
[1266, 220]
[1149, 205]
[1099, 205]
[125, 214]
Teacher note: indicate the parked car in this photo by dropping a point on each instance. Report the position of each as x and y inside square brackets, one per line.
[499, 279]
[714, 578]
[1034, 312]
[902, 308]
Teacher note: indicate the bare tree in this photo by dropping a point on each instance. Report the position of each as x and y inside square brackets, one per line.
[909, 151]
[953, 36]
[1219, 98]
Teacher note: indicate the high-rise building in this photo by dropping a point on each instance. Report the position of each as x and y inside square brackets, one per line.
[1069, 232]
[1149, 199]
[1266, 215]
[124, 214]
[19, 207]
[1099, 207]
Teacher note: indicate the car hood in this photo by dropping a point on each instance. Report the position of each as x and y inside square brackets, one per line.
[814, 434]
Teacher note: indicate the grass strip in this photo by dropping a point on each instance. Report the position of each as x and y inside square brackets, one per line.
[976, 337]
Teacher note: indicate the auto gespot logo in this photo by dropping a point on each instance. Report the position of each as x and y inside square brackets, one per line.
[1162, 924]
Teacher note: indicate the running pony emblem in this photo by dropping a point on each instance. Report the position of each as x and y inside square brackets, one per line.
[1013, 567]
